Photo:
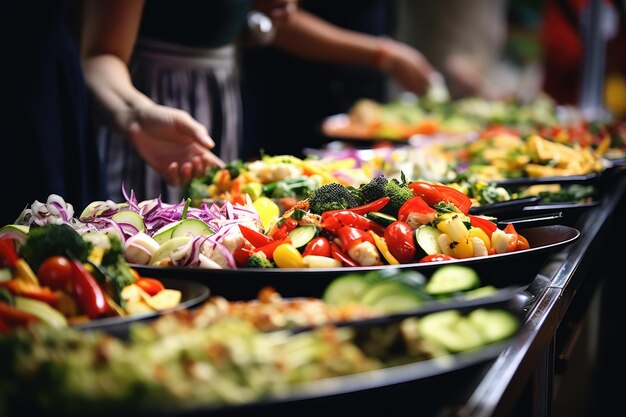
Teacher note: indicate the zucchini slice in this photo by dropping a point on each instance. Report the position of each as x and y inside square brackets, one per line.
[346, 289]
[426, 237]
[302, 235]
[452, 279]
[381, 218]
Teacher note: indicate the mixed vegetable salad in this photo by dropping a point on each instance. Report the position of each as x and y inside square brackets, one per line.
[231, 352]
[51, 273]
[382, 222]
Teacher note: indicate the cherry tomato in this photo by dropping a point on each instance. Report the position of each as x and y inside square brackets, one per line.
[319, 246]
[438, 257]
[56, 272]
[150, 285]
[430, 194]
[400, 240]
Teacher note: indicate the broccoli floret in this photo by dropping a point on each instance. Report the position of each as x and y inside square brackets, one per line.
[260, 260]
[53, 240]
[116, 270]
[398, 193]
[333, 196]
[374, 189]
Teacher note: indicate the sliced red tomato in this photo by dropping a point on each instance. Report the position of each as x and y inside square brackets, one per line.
[438, 257]
[400, 239]
[319, 246]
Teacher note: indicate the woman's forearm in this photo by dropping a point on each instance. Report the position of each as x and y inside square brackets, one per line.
[310, 37]
[116, 99]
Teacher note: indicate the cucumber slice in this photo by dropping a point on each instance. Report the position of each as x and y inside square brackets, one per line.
[166, 248]
[302, 235]
[192, 227]
[381, 218]
[391, 297]
[165, 233]
[452, 278]
[426, 237]
[15, 231]
[450, 330]
[346, 289]
[484, 291]
[494, 325]
[131, 218]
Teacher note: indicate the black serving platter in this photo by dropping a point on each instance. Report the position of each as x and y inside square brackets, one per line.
[192, 295]
[514, 268]
[431, 382]
[504, 208]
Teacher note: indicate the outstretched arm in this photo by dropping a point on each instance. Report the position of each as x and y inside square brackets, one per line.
[310, 37]
[169, 139]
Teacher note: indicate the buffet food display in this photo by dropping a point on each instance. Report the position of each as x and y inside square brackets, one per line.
[272, 280]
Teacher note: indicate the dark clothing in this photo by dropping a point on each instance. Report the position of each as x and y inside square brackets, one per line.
[44, 147]
[285, 97]
[204, 24]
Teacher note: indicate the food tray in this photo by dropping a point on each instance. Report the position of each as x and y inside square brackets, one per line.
[514, 268]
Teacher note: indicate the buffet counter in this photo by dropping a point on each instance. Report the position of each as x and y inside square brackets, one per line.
[528, 377]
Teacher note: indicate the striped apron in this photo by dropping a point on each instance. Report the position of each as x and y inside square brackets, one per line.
[204, 83]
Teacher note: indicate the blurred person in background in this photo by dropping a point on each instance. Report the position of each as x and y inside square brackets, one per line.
[184, 56]
[465, 40]
[563, 51]
[328, 55]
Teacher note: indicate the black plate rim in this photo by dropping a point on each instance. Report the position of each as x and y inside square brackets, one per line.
[113, 322]
[513, 204]
[573, 232]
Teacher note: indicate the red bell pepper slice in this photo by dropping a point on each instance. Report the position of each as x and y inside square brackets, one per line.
[256, 238]
[375, 205]
[8, 254]
[29, 290]
[282, 228]
[14, 316]
[427, 191]
[242, 253]
[486, 225]
[351, 236]
[341, 256]
[416, 206]
[454, 196]
[89, 295]
[268, 249]
[335, 221]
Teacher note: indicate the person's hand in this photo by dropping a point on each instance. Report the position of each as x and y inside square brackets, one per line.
[405, 64]
[172, 143]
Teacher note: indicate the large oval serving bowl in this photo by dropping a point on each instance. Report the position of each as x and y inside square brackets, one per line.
[514, 268]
